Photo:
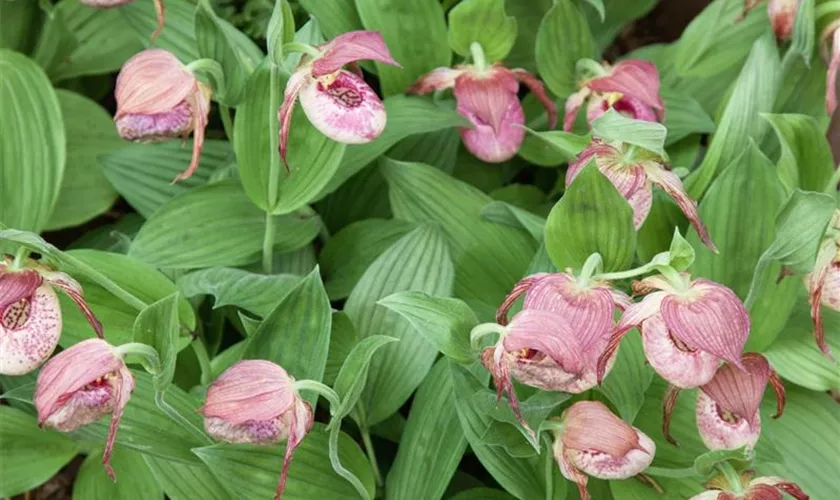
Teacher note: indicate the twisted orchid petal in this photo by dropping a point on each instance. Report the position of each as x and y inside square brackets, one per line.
[573, 105]
[538, 89]
[351, 47]
[671, 184]
[437, 79]
[740, 391]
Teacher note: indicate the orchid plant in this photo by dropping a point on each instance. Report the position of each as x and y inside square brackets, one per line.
[594, 304]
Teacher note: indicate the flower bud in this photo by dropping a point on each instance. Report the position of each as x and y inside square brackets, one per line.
[594, 442]
[82, 384]
[824, 286]
[832, 59]
[630, 87]
[106, 4]
[30, 314]
[760, 488]
[158, 98]
[337, 102]
[782, 15]
[634, 176]
[255, 401]
[488, 98]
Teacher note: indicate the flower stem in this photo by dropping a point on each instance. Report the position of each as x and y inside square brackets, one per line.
[732, 477]
[147, 352]
[479, 61]
[227, 123]
[268, 245]
[203, 360]
[549, 469]
[274, 169]
[320, 389]
[301, 47]
[483, 330]
[673, 276]
[20, 256]
[371, 453]
[214, 69]
[593, 263]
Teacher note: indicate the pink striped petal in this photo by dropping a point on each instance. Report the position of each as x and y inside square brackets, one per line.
[778, 484]
[29, 330]
[641, 202]
[823, 276]
[547, 333]
[636, 109]
[721, 430]
[681, 365]
[153, 81]
[437, 79]
[597, 148]
[714, 495]
[573, 105]
[672, 185]
[633, 78]
[606, 466]
[710, 317]
[343, 107]
[249, 390]
[831, 76]
[740, 391]
[538, 89]
[350, 47]
[17, 285]
[519, 288]
[284, 114]
[591, 426]
[123, 386]
[301, 423]
[73, 289]
[568, 470]
[199, 102]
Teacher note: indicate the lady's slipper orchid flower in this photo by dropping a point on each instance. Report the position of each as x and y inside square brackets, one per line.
[782, 14]
[107, 4]
[82, 384]
[594, 442]
[687, 327]
[159, 98]
[727, 406]
[634, 172]
[630, 87]
[255, 401]
[760, 488]
[487, 97]
[30, 314]
[824, 285]
[337, 102]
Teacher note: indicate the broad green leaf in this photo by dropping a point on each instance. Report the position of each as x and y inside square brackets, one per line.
[804, 32]
[255, 293]
[483, 22]
[348, 253]
[281, 29]
[482, 494]
[505, 213]
[415, 33]
[343, 339]
[740, 210]
[655, 234]
[57, 40]
[143, 173]
[22, 20]
[29, 455]
[614, 126]
[527, 15]
[432, 443]
[795, 354]
[674, 488]
[363, 196]
[136, 481]
[157, 326]
[563, 26]
[32, 145]
[438, 149]
[506, 430]
[608, 17]
[443, 321]
[334, 16]
[805, 161]
[628, 381]
[406, 116]
[552, 147]
[684, 116]
[312, 158]
[296, 333]
[352, 377]
[215, 225]
[489, 258]
[592, 216]
[215, 40]
[182, 481]
[419, 261]
[753, 93]
[85, 192]
[252, 471]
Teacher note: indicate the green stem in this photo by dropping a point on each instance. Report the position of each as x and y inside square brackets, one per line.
[268, 245]
[274, 168]
[301, 47]
[212, 68]
[227, 123]
[479, 61]
[586, 69]
[630, 273]
[371, 453]
[20, 256]
[549, 469]
[149, 354]
[592, 264]
[203, 360]
[320, 389]
[448, 4]
[673, 276]
[180, 419]
[732, 477]
[483, 330]
[831, 187]
[335, 433]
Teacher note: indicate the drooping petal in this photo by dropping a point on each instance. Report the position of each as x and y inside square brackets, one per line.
[672, 185]
[633, 78]
[547, 333]
[590, 425]
[740, 391]
[573, 105]
[199, 102]
[633, 316]
[72, 369]
[123, 387]
[681, 365]
[349, 47]
[596, 149]
[249, 390]
[636, 109]
[568, 469]
[487, 95]
[343, 107]
[711, 318]
[831, 76]
[301, 423]
[779, 484]
[161, 18]
[17, 285]
[538, 89]
[519, 288]
[284, 114]
[669, 402]
[29, 331]
[817, 281]
[153, 81]
[73, 289]
[641, 202]
[721, 430]
[497, 362]
[437, 79]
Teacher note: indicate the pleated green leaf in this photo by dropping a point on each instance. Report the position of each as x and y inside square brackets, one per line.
[183, 481]
[157, 326]
[215, 225]
[31, 170]
[432, 443]
[343, 339]
[684, 116]
[415, 33]
[29, 455]
[608, 17]
[143, 173]
[489, 258]
[85, 192]
[419, 261]
[136, 481]
[312, 157]
[255, 293]
[614, 126]
[564, 26]
[592, 216]
[334, 16]
[552, 147]
[628, 381]
[805, 161]
[674, 488]
[251, 472]
[483, 22]
[353, 374]
[513, 216]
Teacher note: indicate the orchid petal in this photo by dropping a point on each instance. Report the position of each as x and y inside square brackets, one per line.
[200, 104]
[17, 285]
[781, 485]
[496, 360]
[633, 316]
[437, 79]
[680, 365]
[547, 333]
[489, 96]
[491, 145]
[518, 289]
[350, 47]
[160, 15]
[74, 290]
[568, 469]
[831, 76]
[284, 114]
[573, 104]
[590, 425]
[635, 108]
[249, 390]
[538, 89]
[672, 185]
[301, 423]
[782, 15]
[719, 434]
[29, 331]
[669, 402]
[633, 78]
[153, 81]
[740, 391]
[123, 387]
[609, 467]
[817, 281]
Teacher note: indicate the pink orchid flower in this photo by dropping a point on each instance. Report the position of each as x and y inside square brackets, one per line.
[255, 401]
[488, 98]
[830, 36]
[337, 102]
[555, 342]
[635, 176]
[159, 98]
[687, 328]
[30, 314]
[727, 406]
[82, 384]
[594, 442]
[760, 488]
[782, 14]
[824, 285]
[630, 87]
[107, 4]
